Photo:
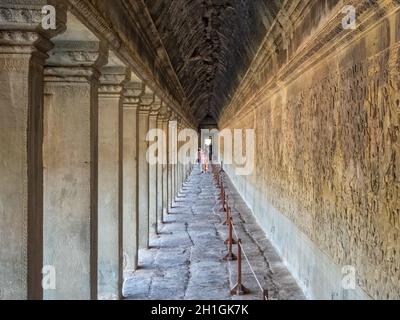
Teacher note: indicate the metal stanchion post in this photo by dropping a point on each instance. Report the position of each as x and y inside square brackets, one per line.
[225, 209]
[230, 256]
[239, 289]
[230, 231]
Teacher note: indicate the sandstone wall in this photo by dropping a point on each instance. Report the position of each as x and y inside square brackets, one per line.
[326, 184]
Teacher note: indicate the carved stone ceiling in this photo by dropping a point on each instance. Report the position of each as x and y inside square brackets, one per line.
[211, 44]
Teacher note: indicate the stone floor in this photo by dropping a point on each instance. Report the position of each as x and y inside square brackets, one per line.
[185, 259]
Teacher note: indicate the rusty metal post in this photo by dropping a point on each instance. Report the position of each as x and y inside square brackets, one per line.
[239, 289]
[223, 200]
[230, 256]
[227, 210]
[230, 239]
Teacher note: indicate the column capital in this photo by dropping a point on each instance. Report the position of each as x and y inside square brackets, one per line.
[133, 91]
[76, 61]
[155, 109]
[146, 103]
[21, 26]
[112, 80]
[164, 113]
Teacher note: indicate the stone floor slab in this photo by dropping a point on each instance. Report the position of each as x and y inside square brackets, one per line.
[185, 258]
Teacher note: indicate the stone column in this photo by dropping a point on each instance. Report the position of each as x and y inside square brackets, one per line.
[160, 193]
[153, 214]
[23, 47]
[143, 168]
[172, 140]
[110, 271]
[133, 91]
[169, 168]
[71, 166]
[181, 165]
[165, 168]
[162, 171]
[177, 165]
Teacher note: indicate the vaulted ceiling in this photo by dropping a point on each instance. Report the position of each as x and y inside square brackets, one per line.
[211, 44]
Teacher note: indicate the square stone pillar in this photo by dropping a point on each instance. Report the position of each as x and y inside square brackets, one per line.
[177, 163]
[153, 177]
[172, 158]
[71, 167]
[162, 171]
[133, 92]
[169, 170]
[159, 193]
[23, 48]
[180, 164]
[164, 168]
[143, 169]
[110, 260]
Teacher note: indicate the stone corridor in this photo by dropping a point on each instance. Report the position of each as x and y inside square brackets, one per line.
[185, 260]
[106, 106]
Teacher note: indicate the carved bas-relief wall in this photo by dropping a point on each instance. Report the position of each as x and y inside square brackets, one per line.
[326, 184]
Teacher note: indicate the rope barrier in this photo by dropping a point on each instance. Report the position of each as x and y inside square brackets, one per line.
[239, 289]
[248, 261]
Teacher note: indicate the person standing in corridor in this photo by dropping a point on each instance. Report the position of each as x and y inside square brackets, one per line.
[203, 161]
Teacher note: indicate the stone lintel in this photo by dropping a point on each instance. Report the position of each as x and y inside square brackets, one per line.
[78, 54]
[23, 15]
[21, 26]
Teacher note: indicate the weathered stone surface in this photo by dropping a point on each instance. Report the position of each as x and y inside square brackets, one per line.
[323, 99]
[110, 206]
[133, 91]
[185, 261]
[143, 182]
[23, 50]
[70, 157]
[326, 187]
[153, 177]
